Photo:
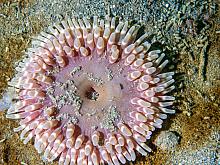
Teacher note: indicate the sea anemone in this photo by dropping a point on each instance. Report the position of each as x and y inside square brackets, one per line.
[91, 91]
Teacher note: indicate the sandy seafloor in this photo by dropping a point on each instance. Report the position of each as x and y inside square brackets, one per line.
[190, 31]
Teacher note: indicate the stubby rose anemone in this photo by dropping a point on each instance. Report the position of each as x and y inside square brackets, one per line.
[91, 92]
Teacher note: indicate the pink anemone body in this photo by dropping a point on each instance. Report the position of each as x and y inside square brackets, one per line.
[89, 92]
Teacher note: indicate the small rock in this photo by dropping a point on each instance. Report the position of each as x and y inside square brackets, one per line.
[206, 117]
[187, 113]
[167, 140]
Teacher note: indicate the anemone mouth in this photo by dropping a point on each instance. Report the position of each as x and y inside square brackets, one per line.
[90, 92]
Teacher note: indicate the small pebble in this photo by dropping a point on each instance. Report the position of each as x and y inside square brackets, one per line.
[167, 140]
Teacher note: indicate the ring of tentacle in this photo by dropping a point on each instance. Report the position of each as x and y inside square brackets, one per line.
[84, 38]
